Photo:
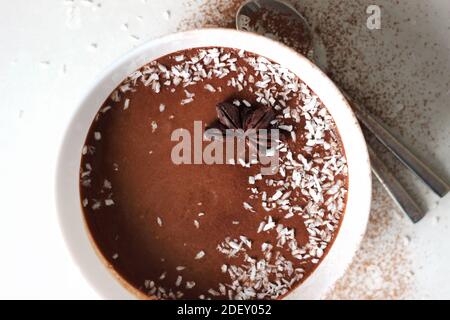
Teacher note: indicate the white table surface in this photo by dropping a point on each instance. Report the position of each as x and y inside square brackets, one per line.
[53, 49]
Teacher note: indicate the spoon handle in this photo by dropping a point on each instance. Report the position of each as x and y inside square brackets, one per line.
[397, 192]
[420, 169]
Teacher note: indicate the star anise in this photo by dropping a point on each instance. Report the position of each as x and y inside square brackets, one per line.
[230, 116]
[243, 119]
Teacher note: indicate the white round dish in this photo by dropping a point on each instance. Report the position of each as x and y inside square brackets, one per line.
[359, 194]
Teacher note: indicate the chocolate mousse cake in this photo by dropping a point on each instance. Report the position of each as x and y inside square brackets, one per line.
[172, 224]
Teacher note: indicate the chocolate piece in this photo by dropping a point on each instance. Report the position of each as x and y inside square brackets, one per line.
[259, 118]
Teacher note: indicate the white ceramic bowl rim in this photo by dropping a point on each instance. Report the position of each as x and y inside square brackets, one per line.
[359, 194]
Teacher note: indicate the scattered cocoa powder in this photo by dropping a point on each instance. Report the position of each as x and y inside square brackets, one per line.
[381, 268]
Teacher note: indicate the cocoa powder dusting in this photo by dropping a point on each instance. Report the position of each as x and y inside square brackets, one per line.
[210, 13]
[381, 268]
[366, 63]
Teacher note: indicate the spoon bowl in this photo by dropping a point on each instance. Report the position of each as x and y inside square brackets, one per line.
[250, 14]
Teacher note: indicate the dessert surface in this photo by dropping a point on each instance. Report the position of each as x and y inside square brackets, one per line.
[211, 231]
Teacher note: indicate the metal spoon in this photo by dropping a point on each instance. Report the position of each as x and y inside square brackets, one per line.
[408, 205]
